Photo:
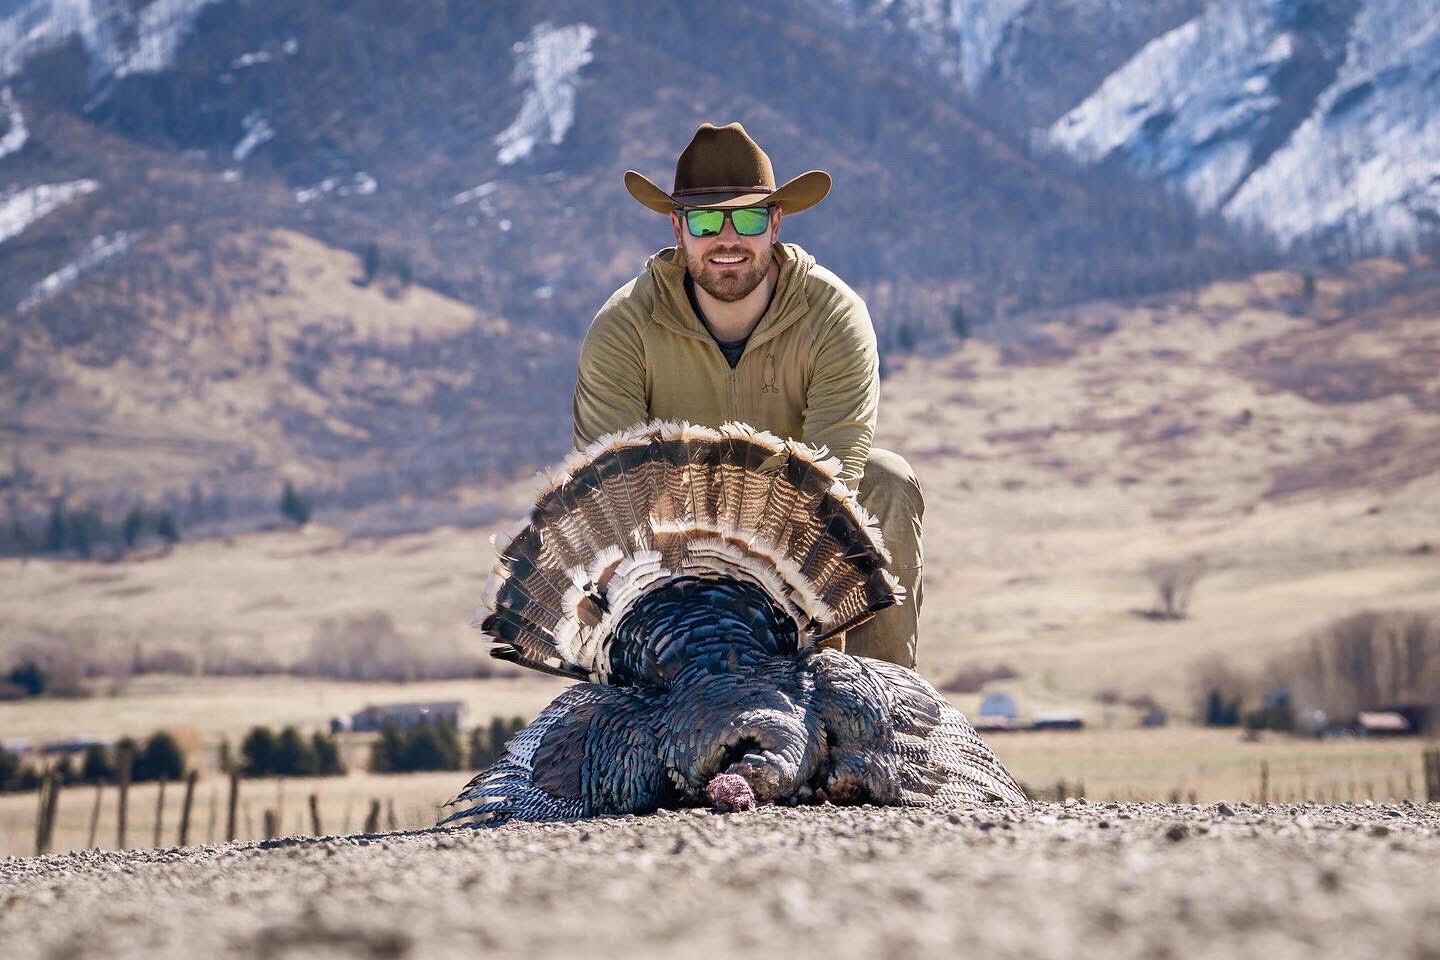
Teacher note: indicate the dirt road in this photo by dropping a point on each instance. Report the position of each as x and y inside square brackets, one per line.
[1047, 880]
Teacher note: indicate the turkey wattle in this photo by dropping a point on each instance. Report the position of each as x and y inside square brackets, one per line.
[688, 577]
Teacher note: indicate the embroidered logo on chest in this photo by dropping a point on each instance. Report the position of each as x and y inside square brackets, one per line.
[770, 375]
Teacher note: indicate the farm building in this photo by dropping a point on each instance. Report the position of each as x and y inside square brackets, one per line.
[405, 715]
[1058, 720]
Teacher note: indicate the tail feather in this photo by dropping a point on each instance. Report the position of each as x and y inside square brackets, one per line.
[673, 499]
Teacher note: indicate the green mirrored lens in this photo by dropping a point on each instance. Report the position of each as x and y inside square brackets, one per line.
[751, 221]
[705, 223]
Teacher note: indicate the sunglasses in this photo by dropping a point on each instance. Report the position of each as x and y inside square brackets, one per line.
[748, 221]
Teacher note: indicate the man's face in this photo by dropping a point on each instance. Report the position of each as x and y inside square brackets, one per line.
[727, 266]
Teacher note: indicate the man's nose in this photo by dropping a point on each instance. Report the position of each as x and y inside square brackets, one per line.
[727, 231]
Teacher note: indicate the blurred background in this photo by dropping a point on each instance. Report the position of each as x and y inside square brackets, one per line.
[291, 297]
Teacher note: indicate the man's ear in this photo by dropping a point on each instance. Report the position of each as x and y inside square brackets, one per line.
[776, 215]
[676, 228]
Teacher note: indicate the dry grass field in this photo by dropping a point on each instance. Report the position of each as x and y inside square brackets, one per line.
[1290, 445]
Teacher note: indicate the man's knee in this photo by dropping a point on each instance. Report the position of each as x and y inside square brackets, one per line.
[889, 482]
[890, 490]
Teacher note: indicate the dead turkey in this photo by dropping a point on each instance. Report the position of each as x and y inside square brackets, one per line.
[689, 577]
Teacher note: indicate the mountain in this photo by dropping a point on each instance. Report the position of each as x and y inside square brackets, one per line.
[355, 244]
[1315, 120]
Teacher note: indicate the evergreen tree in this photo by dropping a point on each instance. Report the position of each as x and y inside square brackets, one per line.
[166, 528]
[385, 753]
[294, 757]
[960, 323]
[258, 749]
[328, 762]
[293, 506]
[160, 759]
[9, 770]
[132, 527]
[96, 766]
[371, 262]
[55, 528]
[29, 677]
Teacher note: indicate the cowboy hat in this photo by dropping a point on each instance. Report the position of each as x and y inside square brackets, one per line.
[723, 169]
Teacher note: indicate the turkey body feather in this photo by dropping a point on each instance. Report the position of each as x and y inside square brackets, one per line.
[687, 576]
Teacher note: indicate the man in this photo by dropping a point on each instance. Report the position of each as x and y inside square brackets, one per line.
[731, 324]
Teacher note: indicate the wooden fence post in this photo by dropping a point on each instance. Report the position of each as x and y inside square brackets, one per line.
[315, 816]
[372, 822]
[1432, 776]
[1264, 781]
[234, 802]
[95, 815]
[190, 779]
[125, 758]
[45, 816]
[271, 825]
[159, 813]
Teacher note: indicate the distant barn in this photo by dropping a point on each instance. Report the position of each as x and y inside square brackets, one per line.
[406, 715]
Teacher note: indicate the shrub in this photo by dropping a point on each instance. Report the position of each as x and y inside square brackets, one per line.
[1174, 582]
[972, 679]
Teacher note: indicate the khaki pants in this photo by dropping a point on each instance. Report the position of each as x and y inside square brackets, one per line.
[890, 490]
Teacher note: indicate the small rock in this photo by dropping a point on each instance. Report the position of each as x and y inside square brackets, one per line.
[1071, 802]
[1379, 830]
[1224, 809]
[1177, 832]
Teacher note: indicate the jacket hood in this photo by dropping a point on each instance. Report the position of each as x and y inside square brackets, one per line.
[672, 307]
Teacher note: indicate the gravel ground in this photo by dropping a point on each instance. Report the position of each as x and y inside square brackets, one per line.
[1043, 880]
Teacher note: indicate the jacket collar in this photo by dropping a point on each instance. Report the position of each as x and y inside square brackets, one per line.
[672, 306]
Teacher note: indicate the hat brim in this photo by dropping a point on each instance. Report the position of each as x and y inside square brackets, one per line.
[798, 194]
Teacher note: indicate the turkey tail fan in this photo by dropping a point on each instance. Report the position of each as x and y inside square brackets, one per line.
[665, 500]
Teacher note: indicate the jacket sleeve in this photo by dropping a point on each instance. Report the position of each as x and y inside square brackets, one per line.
[843, 400]
[610, 392]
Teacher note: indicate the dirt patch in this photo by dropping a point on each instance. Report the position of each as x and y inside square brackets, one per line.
[1042, 880]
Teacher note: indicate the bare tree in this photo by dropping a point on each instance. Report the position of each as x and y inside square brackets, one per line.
[1174, 582]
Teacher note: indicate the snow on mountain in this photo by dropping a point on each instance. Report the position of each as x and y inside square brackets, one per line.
[958, 37]
[1215, 107]
[16, 134]
[1366, 162]
[257, 131]
[119, 40]
[549, 65]
[1190, 106]
[100, 250]
[21, 208]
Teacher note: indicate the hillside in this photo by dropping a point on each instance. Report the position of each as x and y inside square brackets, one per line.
[154, 158]
[1287, 440]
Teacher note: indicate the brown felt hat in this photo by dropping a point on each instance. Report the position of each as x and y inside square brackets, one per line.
[723, 169]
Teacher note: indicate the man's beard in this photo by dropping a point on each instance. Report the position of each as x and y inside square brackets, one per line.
[730, 285]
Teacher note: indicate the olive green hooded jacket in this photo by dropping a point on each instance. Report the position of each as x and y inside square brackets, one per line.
[810, 370]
